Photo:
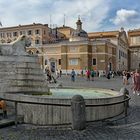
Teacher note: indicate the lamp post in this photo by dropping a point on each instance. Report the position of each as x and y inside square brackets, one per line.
[109, 64]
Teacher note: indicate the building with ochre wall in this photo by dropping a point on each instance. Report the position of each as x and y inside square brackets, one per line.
[39, 34]
[67, 48]
[134, 48]
[120, 40]
[79, 53]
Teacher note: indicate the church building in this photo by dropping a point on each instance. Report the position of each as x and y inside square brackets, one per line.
[78, 53]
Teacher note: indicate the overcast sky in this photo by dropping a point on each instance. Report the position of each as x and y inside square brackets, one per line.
[96, 15]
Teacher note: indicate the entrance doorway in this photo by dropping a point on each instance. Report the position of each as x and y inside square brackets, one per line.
[110, 67]
[52, 66]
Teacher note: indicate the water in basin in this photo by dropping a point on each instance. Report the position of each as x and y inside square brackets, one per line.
[86, 93]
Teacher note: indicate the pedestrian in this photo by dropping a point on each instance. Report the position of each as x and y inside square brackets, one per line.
[73, 74]
[97, 74]
[57, 74]
[136, 80]
[60, 72]
[108, 75]
[48, 73]
[113, 74]
[4, 108]
[82, 73]
[124, 73]
[92, 75]
[128, 76]
[88, 75]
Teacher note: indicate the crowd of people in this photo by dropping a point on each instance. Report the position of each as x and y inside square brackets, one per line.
[126, 76]
[90, 74]
[135, 77]
[136, 82]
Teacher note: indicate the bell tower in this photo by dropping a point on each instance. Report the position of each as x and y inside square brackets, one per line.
[79, 24]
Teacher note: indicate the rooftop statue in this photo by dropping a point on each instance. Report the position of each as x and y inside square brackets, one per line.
[17, 47]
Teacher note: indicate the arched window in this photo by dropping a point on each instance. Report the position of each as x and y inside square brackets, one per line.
[37, 52]
[93, 61]
[30, 52]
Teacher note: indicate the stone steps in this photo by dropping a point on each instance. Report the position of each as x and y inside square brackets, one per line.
[21, 74]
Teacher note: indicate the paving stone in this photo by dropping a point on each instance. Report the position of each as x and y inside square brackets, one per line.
[120, 129]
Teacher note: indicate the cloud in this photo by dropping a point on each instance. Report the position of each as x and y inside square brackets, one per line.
[124, 17]
[92, 13]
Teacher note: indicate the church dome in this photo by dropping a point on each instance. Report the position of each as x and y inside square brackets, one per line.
[79, 34]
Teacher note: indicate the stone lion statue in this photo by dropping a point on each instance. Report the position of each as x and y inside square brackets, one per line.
[17, 47]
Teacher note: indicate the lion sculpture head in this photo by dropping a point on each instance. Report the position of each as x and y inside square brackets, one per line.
[17, 47]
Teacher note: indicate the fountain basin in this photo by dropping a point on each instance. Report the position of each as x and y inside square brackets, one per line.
[87, 93]
[57, 115]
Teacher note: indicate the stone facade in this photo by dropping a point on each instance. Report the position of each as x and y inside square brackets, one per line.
[66, 31]
[119, 38]
[134, 48]
[101, 51]
[78, 53]
[39, 34]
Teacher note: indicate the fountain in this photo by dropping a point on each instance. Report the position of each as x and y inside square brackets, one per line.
[19, 71]
[23, 81]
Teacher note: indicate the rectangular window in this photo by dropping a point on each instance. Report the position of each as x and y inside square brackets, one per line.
[37, 32]
[15, 34]
[29, 32]
[59, 61]
[135, 40]
[73, 61]
[2, 35]
[93, 61]
[36, 41]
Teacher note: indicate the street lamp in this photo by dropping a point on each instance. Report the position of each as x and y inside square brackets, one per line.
[109, 64]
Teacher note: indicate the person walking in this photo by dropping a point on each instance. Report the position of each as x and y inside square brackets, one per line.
[124, 73]
[48, 73]
[57, 74]
[113, 74]
[92, 75]
[88, 75]
[128, 76]
[60, 73]
[73, 74]
[136, 80]
[108, 75]
[82, 73]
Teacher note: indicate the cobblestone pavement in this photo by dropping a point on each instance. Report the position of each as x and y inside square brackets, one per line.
[119, 128]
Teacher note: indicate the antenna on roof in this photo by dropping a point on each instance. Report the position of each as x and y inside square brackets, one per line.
[50, 21]
[64, 20]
